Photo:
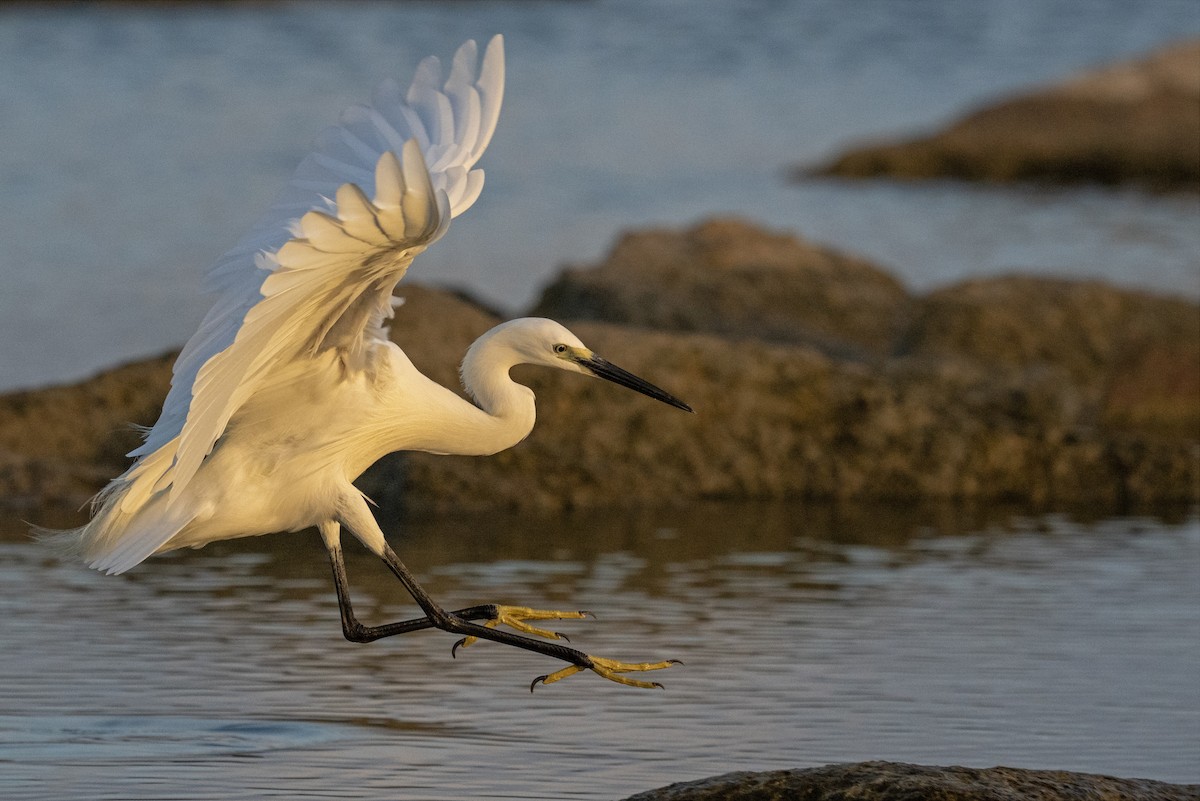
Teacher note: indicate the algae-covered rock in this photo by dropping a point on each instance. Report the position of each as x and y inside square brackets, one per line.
[891, 781]
[1137, 122]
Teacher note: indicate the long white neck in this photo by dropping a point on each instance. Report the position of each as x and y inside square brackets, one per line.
[509, 406]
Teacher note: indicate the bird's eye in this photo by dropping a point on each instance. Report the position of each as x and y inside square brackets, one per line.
[560, 348]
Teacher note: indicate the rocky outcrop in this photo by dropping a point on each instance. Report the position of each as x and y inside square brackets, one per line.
[1018, 389]
[890, 781]
[60, 445]
[1134, 357]
[1136, 122]
[730, 277]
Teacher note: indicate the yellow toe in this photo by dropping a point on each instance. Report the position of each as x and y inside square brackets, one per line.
[611, 669]
[515, 616]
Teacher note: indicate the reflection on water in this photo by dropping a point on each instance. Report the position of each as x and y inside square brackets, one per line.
[810, 635]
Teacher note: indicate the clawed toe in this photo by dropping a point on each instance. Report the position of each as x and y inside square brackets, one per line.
[518, 617]
[515, 617]
[610, 669]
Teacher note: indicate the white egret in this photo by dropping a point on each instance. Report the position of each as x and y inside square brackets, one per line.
[291, 389]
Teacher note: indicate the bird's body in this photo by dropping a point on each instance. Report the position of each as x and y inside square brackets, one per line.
[293, 449]
[291, 387]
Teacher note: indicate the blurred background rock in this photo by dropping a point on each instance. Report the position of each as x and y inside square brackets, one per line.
[1136, 123]
[815, 375]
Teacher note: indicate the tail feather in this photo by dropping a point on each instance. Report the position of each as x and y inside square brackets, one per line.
[120, 535]
[67, 543]
[151, 529]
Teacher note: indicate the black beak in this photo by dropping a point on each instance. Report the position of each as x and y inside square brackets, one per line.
[610, 372]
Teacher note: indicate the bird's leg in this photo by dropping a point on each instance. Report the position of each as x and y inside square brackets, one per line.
[456, 624]
[357, 632]
[358, 518]
[493, 614]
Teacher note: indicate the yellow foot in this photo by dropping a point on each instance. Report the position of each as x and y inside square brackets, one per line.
[610, 669]
[515, 616]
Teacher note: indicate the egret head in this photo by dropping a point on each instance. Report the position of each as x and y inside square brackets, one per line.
[534, 340]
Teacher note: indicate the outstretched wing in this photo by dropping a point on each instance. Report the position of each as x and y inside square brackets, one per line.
[318, 271]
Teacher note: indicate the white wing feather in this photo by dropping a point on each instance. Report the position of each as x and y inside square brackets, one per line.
[318, 271]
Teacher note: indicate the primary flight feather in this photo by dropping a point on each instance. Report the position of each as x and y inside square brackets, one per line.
[290, 388]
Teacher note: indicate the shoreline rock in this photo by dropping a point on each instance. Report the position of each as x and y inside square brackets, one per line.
[1132, 123]
[892, 781]
[1011, 389]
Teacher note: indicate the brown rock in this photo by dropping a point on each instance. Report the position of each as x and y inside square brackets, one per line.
[1015, 389]
[1155, 387]
[890, 781]
[730, 277]
[61, 444]
[1137, 122]
[1087, 328]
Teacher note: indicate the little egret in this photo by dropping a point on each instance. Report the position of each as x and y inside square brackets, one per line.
[291, 388]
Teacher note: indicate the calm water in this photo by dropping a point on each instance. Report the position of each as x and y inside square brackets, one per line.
[809, 637]
[136, 145]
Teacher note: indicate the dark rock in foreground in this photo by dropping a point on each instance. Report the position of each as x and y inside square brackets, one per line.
[890, 781]
[1017, 389]
[1136, 122]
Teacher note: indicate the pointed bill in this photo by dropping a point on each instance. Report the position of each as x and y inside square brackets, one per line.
[610, 372]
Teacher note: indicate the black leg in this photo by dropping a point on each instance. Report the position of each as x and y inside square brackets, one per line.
[357, 632]
[460, 622]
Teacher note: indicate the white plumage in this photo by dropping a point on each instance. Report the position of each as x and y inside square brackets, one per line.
[290, 388]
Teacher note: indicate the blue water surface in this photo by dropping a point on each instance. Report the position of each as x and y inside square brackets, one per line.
[808, 636]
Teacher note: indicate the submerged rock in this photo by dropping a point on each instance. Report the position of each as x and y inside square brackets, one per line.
[1136, 122]
[891, 781]
[1016, 389]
